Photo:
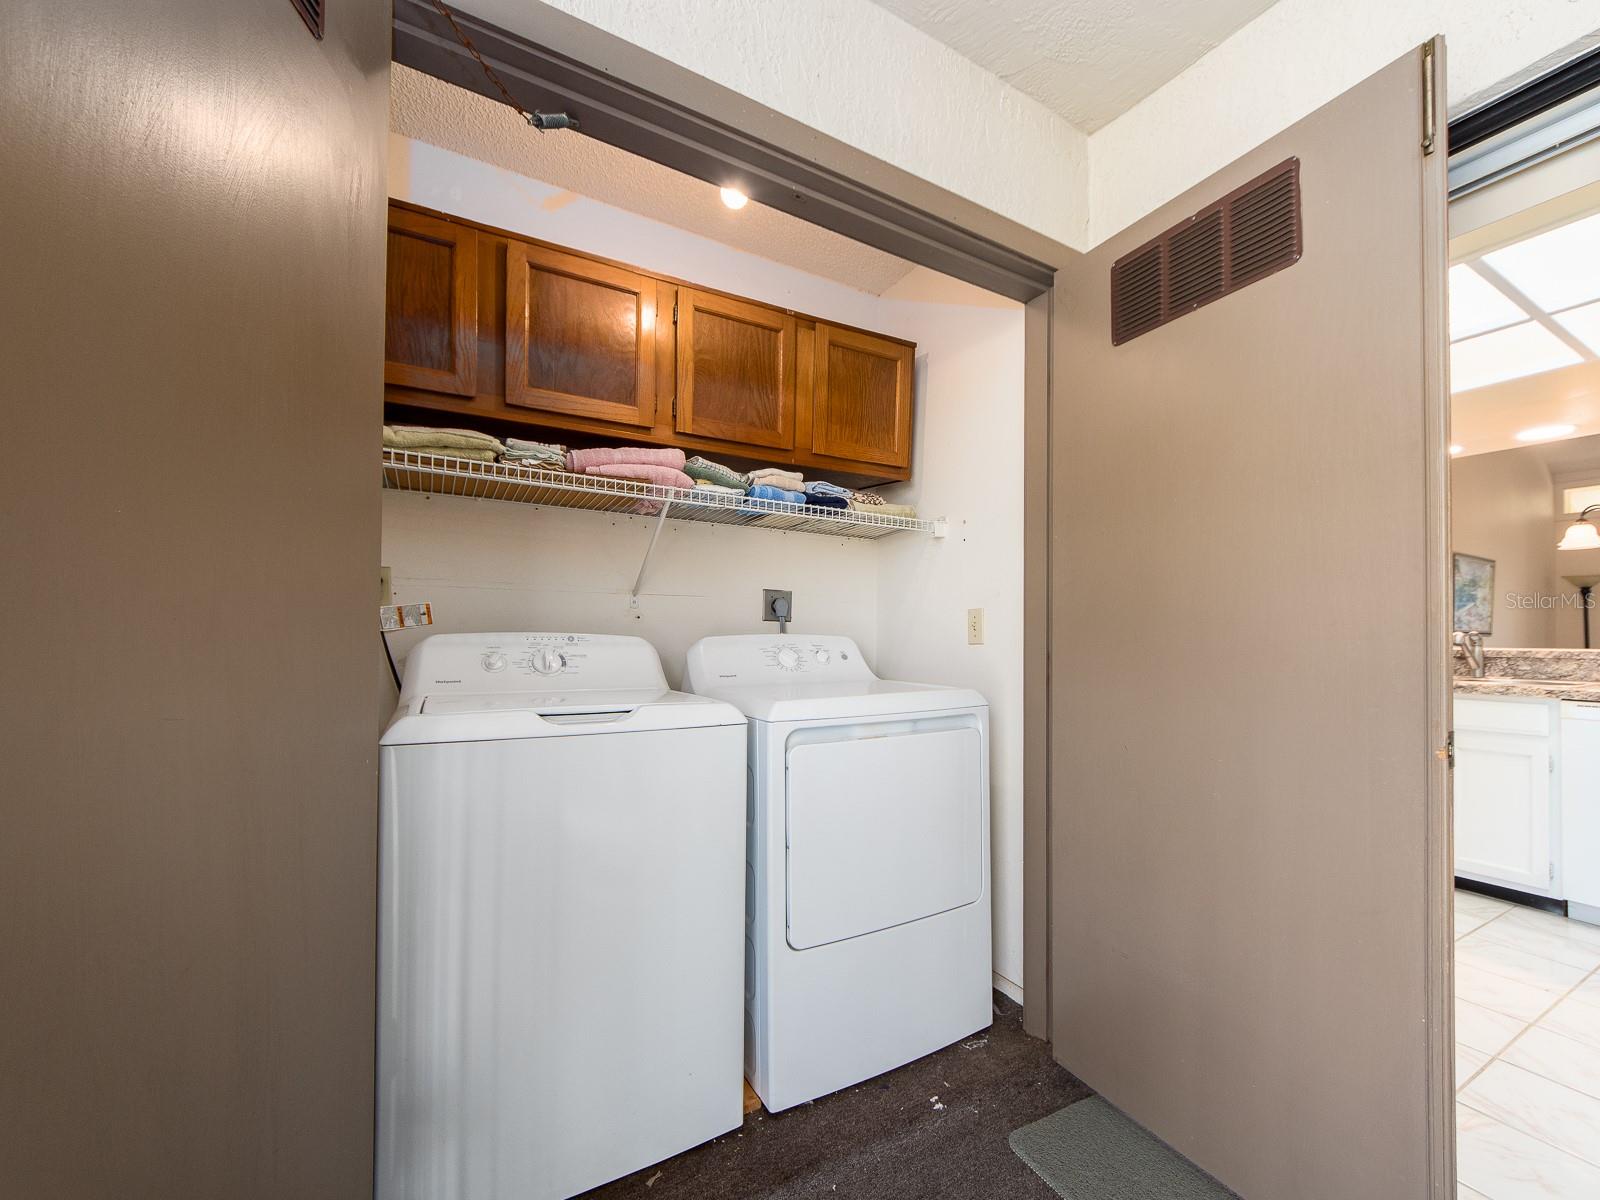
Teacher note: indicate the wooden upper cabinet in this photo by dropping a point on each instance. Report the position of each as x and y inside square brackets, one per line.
[736, 370]
[862, 405]
[431, 338]
[580, 336]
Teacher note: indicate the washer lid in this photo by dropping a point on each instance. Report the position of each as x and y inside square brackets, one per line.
[511, 716]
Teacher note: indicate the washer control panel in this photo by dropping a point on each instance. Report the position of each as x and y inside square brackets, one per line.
[540, 654]
[506, 662]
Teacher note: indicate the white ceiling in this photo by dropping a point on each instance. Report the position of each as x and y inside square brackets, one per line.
[453, 118]
[1525, 319]
[1087, 60]
[1488, 418]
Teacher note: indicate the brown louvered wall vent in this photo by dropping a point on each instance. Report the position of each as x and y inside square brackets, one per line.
[311, 12]
[1247, 235]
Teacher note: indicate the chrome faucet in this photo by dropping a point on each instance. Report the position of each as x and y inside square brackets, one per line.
[1471, 644]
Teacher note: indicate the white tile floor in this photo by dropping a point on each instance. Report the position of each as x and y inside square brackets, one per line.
[1527, 1053]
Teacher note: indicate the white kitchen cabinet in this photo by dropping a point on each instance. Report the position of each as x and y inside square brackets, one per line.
[1580, 808]
[1506, 827]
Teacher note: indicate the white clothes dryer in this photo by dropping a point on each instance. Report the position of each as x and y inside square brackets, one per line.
[867, 914]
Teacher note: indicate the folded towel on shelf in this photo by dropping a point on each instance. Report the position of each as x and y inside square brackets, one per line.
[707, 471]
[765, 491]
[822, 500]
[882, 509]
[438, 441]
[716, 489]
[486, 456]
[668, 477]
[779, 477]
[821, 487]
[866, 499]
[586, 461]
[536, 454]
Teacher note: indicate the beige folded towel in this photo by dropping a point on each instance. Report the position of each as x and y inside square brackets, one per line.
[779, 477]
[885, 510]
[420, 437]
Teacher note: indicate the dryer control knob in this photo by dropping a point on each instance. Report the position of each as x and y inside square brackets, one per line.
[494, 661]
[789, 658]
[823, 658]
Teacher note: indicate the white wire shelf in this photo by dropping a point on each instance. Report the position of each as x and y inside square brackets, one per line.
[445, 475]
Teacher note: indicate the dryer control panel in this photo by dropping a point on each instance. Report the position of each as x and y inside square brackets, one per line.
[475, 663]
[774, 658]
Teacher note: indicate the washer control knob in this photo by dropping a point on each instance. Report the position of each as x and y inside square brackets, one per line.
[789, 658]
[547, 661]
[494, 661]
[823, 658]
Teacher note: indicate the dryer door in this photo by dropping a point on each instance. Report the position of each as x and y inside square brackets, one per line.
[882, 829]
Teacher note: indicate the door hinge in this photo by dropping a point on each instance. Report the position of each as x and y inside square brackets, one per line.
[1448, 751]
[1429, 101]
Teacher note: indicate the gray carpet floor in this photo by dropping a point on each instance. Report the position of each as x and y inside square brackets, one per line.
[936, 1128]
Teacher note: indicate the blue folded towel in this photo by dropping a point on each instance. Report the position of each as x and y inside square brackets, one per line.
[827, 501]
[821, 487]
[765, 491]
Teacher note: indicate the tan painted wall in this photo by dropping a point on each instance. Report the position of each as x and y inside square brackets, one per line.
[193, 331]
[1502, 506]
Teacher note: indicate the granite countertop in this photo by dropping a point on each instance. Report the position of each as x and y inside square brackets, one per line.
[1539, 674]
[1537, 689]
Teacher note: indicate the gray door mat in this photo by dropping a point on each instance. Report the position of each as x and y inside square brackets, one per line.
[1090, 1151]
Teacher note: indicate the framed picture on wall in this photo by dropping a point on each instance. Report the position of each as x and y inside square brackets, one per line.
[1474, 594]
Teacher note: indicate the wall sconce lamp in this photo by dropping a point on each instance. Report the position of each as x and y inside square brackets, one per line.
[1581, 535]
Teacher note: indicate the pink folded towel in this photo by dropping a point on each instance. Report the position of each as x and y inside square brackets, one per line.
[587, 460]
[645, 473]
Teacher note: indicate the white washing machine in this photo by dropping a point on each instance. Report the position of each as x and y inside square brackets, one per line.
[561, 947]
[868, 904]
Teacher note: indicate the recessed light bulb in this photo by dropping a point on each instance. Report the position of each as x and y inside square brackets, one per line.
[1456, 451]
[1545, 433]
[734, 198]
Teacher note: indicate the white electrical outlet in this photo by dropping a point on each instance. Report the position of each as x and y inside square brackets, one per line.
[974, 626]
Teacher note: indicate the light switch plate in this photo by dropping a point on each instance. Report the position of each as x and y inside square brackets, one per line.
[974, 626]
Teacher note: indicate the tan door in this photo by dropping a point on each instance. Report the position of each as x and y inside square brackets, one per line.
[431, 307]
[580, 336]
[735, 370]
[1249, 870]
[862, 409]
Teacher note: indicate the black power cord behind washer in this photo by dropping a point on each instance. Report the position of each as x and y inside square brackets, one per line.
[389, 654]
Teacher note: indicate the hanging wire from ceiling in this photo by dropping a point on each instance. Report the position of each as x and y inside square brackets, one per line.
[539, 120]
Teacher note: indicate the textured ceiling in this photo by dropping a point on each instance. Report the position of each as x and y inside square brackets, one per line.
[454, 119]
[1088, 60]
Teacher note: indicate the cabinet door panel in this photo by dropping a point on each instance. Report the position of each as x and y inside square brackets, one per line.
[579, 336]
[431, 331]
[735, 370]
[1502, 804]
[863, 397]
